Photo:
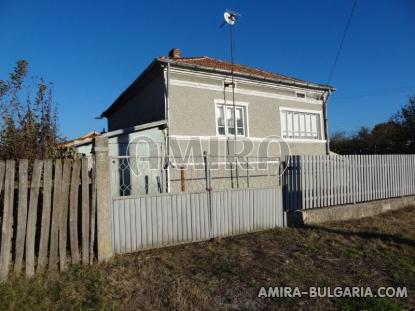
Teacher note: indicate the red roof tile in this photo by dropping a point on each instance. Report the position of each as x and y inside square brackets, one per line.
[209, 62]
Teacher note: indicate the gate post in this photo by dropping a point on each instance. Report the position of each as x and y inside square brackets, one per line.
[104, 226]
[285, 178]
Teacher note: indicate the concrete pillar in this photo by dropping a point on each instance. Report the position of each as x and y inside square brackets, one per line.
[104, 218]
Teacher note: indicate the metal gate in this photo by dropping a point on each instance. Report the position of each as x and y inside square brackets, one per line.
[152, 221]
[203, 202]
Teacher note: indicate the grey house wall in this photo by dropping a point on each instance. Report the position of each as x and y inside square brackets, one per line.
[132, 144]
[131, 163]
[192, 111]
[143, 104]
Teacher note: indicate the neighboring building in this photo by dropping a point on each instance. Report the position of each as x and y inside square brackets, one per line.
[82, 145]
[124, 170]
[191, 101]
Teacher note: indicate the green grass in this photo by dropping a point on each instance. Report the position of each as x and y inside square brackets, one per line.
[227, 274]
[79, 288]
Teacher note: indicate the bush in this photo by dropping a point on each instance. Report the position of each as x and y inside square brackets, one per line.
[29, 128]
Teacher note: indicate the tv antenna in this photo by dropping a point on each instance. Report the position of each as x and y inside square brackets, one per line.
[230, 19]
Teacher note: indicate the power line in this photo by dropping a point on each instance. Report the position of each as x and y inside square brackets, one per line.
[328, 92]
[360, 92]
[346, 29]
[370, 93]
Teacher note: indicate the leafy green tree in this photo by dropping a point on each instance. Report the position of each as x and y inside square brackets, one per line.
[28, 117]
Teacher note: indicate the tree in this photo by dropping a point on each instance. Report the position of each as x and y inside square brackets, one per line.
[28, 127]
[388, 138]
[394, 136]
[405, 117]
[340, 143]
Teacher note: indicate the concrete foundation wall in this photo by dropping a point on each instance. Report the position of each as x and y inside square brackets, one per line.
[349, 211]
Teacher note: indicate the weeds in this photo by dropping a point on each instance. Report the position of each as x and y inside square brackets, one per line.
[79, 288]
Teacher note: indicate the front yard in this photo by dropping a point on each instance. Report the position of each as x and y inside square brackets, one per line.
[228, 274]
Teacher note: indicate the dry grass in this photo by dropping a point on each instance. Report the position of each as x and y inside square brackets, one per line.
[227, 274]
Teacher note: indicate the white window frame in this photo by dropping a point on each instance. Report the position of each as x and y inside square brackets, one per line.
[229, 103]
[305, 111]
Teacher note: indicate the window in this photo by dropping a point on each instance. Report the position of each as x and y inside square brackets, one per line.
[300, 125]
[225, 120]
[300, 95]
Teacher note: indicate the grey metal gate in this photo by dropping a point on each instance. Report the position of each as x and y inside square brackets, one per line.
[206, 198]
[152, 221]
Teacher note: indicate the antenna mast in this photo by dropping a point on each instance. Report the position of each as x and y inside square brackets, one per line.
[230, 19]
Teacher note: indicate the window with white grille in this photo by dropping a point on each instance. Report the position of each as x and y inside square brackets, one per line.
[300, 125]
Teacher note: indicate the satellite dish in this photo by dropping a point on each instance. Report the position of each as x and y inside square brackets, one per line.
[229, 17]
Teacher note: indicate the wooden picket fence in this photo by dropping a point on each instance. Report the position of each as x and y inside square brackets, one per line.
[313, 181]
[48, 214]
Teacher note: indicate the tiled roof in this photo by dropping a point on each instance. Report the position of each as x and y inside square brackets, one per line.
[81, 139]
[208, 62]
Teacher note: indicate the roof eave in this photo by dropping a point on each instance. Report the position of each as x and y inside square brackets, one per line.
[310, 85]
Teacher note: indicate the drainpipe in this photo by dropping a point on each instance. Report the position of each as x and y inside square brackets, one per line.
[325, 98]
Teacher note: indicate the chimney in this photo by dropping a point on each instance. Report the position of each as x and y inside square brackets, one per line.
[174, 53]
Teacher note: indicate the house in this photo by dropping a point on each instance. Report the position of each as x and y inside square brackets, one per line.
[194, 100]
[193, 95]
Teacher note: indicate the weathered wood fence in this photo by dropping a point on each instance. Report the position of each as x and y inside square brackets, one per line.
[47, 211]
[320, 180]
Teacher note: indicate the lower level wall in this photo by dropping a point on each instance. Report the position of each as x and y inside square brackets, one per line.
[243, 147]
[223, 176]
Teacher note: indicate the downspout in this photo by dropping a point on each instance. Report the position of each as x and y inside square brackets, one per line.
[167, 116]
[326, 121]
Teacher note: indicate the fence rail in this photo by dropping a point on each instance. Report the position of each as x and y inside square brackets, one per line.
[320, 181]
[47, 215]
[134, 175]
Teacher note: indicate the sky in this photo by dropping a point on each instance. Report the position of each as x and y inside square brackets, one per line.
[92, 50]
